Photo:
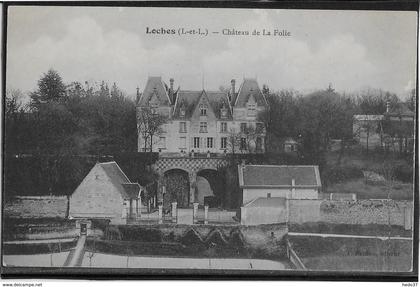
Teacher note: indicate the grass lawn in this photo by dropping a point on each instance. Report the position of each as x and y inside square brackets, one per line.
[363, 190]
[359, 263]
[353, 254]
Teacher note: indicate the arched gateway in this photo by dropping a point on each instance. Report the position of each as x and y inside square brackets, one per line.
[193, 167]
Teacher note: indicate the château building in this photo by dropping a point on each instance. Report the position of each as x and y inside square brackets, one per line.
[202, 122]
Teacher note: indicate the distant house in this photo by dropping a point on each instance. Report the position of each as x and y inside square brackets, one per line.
[288, 181]
[399, 127]
[290, 145]
[265, 211]
[106, 192]
[367, 129]
[392, 130]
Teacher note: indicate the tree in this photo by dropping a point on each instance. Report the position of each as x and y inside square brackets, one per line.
[281, 119]
[50, 89]
[233, 141]
[15, 122]
[250, 136]
[411, 101]
[368, 127]
[149, 126]
[374, 101]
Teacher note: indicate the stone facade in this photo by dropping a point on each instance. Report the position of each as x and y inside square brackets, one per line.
[203, 121]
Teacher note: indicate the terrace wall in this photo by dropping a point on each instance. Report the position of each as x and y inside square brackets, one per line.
[352, 212]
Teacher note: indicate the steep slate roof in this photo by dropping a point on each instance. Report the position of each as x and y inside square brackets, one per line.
[120, 180]
[368, 117]
[216, 101]
[279, 176]
[191, 98]
[248, 87]
[155, 84]
[267, 202]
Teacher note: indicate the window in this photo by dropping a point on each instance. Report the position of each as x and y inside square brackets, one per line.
[203, 127]
[243, 143]
[223, 142]
[223, 127]
[182, 112]
[196, 142]
[182, 127]
[252, 107]
[252, 110]
[162, 141]
[259, 128]
[203, 110]
[223, 112]
[209, 142]
[243, 127]
[182, 142]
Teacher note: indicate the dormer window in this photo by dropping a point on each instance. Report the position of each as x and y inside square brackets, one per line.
[182, 112]
[203, 110]
[252, 106]
[223, 111]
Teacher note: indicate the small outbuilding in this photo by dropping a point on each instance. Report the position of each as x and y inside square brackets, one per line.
[288, 181]
[106, 193]
[290, 145]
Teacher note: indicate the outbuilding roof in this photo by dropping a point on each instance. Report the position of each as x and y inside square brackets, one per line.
[126, 188]
[368, 117]
[272, 176]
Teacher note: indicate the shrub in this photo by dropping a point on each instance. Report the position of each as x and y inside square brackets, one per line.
[404, 173]
[341, 174]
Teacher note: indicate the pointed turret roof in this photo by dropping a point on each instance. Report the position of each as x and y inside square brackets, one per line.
[155, 87]
[249, 87]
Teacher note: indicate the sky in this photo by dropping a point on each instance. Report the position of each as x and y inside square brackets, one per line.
[352, 50]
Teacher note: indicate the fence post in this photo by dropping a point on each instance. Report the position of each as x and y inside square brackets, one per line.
[174, 212]
[160, 213]
[195, 211]
[206, 214]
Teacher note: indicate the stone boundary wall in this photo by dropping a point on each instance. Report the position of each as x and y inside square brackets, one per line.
[294, 259]
[37, 207]
[352, 212]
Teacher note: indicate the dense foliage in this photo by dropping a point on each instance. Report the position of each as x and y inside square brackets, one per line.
[53, 141]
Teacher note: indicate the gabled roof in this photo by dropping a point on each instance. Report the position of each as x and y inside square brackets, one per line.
[249, 87]
[368, 117]
[190, 100]
[271, 176]
[400, 109]
[120, 180]
[155, 85]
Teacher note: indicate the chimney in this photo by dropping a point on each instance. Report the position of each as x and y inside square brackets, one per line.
[232, 88]
[171, 90]
[171, 81]
[138, 96]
